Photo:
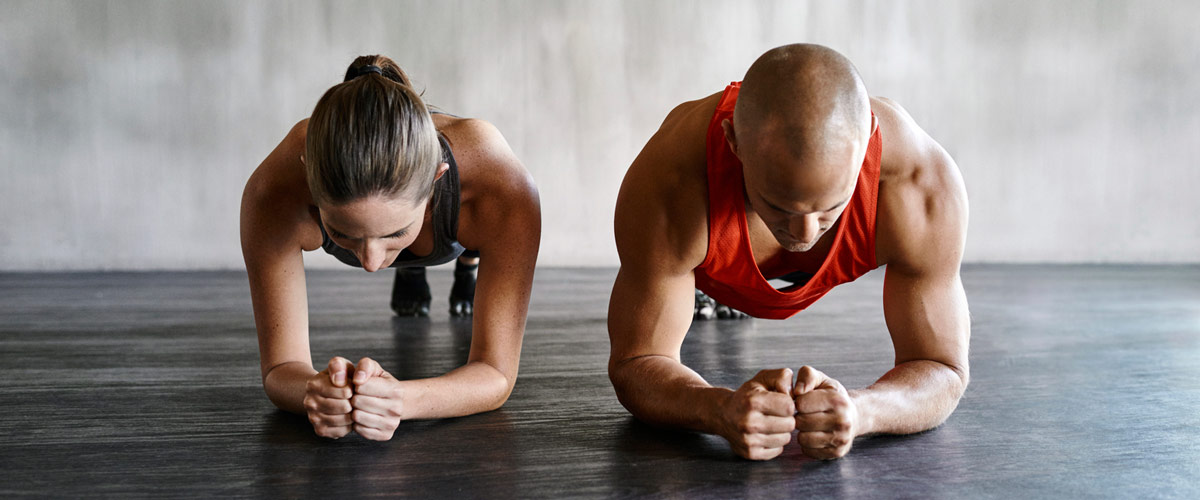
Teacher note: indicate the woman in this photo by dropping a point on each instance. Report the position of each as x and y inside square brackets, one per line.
[375, 179]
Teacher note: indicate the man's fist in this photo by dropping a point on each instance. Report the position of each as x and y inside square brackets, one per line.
[758, 417]
[826, 416]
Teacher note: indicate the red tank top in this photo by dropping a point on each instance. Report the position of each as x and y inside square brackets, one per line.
[729, 273]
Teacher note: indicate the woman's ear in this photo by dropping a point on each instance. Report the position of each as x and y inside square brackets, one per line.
[441, 171]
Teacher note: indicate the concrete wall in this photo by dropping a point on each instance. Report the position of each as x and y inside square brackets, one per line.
[128, 128]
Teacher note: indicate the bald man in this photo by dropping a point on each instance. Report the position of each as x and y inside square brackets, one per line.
[795, 173]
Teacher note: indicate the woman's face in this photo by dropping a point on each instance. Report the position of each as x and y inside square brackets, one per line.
[375, 228]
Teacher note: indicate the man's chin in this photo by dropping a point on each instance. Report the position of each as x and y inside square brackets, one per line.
[796, 248]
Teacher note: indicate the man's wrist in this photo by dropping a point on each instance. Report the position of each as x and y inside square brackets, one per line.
[717, 400]
[864, 418]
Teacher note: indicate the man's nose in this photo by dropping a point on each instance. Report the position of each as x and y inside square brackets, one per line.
[805, 228]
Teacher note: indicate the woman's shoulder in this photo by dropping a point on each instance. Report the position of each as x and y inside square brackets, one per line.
[493, 180]
[479, 148]
[278, 189]
[467, 133]
[283, 170]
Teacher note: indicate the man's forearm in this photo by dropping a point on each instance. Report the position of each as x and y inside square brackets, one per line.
[912, 397]
[661, 391]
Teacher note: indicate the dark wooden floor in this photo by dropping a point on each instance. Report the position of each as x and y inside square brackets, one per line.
[1085, 383]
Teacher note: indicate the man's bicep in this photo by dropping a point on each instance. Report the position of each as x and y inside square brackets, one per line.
[649, 313]
[927, 316]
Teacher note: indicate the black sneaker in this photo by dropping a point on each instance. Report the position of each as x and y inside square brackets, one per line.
[462, 294]
[410, 293]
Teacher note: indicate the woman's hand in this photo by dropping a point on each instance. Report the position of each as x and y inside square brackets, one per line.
[327, 399]
[378, 401]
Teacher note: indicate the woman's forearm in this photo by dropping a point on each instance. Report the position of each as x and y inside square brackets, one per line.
[285, 385]
[472, 388]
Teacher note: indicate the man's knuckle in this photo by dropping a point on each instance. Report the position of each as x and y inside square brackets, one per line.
[745, 423]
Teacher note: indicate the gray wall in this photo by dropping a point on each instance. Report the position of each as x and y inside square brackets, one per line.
[128, 128]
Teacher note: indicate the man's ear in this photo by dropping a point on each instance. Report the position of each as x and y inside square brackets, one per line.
[302, 160]
[730, 136]
[874, 125]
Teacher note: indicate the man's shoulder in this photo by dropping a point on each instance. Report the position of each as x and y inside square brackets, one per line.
[662, 207]
[922, 199]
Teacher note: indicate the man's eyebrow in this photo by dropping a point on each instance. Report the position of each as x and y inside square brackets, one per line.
[786, 211]
[839, 205]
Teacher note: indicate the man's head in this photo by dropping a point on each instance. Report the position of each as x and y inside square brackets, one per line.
[800, 127]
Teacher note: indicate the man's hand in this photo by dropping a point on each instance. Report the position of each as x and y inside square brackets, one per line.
[827, 418]
[378, 401]
[327, 399]
[758, 417]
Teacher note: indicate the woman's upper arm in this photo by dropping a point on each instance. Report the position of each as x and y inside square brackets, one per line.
[505, 226]
[271, 223]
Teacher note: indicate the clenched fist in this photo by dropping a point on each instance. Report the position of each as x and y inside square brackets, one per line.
[327, 399]
[758, 418]
[826, 416]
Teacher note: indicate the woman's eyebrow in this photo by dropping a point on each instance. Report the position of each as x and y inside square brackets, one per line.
[339, 234]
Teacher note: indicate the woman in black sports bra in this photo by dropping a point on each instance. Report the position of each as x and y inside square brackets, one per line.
[371, 178]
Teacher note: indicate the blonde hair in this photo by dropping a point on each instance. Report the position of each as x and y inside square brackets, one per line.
[371, 135]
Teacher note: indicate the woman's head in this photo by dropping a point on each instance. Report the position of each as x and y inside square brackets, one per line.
[371, 135]
[371, 158]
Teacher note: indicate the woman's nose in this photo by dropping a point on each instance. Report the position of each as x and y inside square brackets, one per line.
[372, 256]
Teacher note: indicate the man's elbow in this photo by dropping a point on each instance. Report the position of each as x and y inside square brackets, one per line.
[622, 381]
[957, 381]
[963, 378]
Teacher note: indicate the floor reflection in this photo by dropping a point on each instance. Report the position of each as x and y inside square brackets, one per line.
[473, 456]
[424, 348]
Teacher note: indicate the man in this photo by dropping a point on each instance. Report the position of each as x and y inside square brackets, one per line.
[797, 174]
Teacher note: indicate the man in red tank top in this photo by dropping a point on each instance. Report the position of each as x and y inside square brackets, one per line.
[794, 173]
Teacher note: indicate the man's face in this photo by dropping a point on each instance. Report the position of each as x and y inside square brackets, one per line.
[798, 200]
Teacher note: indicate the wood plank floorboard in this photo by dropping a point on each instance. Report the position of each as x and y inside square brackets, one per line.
[1085, 383]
